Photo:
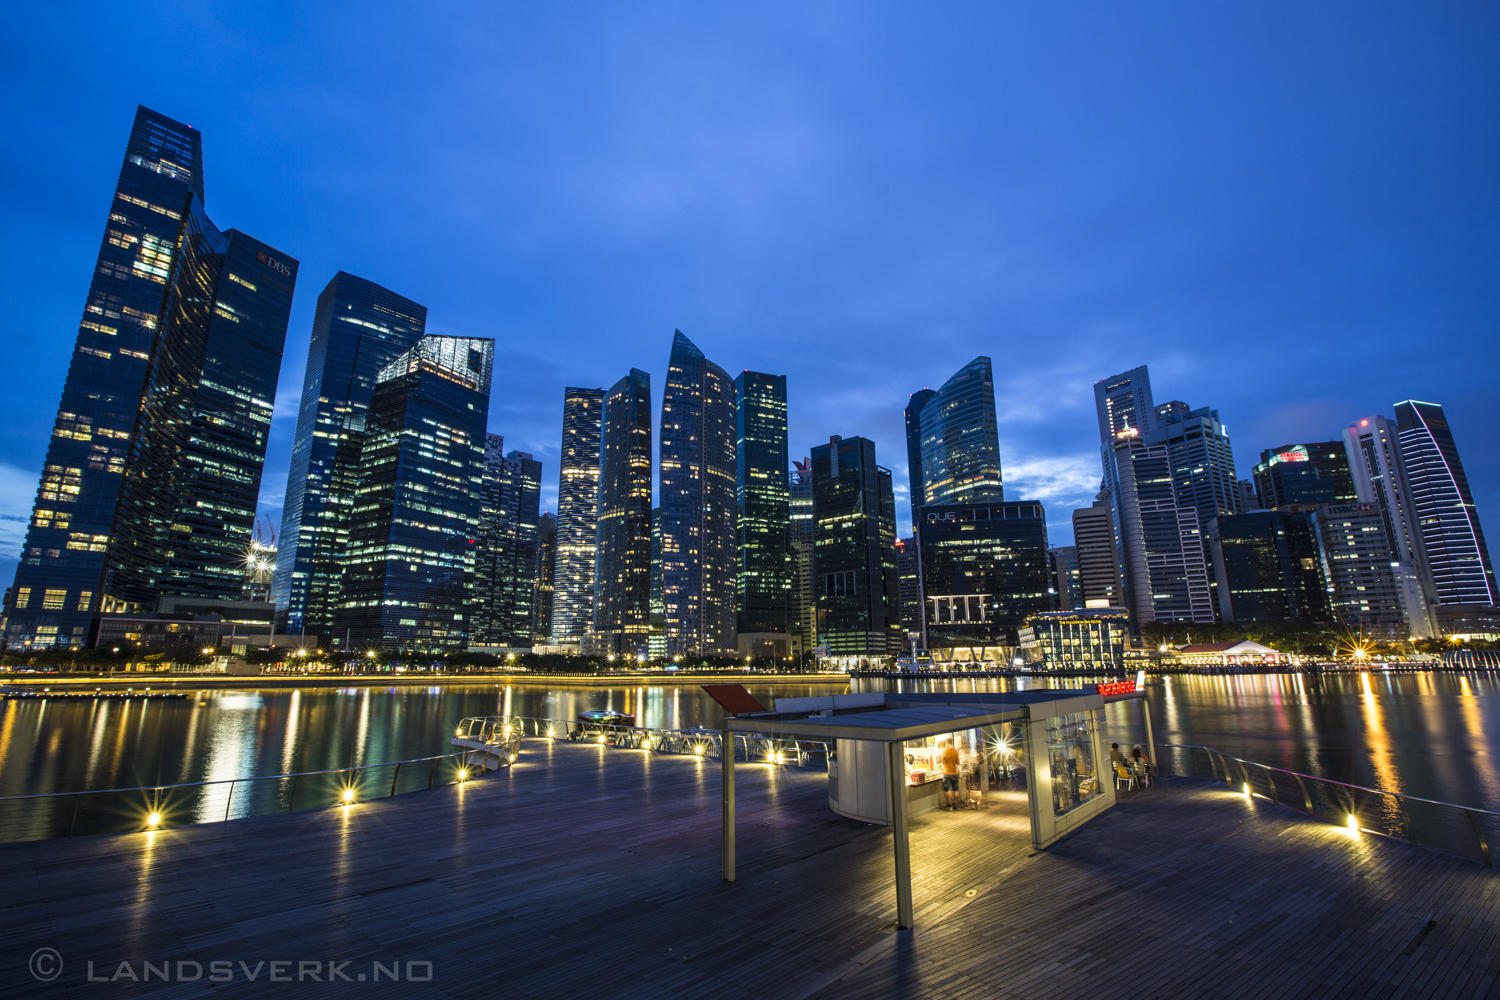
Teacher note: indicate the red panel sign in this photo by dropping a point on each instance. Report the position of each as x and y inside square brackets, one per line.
[1115, 687]
[733, 698]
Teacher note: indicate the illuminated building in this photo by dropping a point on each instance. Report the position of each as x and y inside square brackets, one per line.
[854, 552]
[505, 563]
[1268, 567]
[1312, 473]
[1098, 560]
[804, 605]
[697, 503]
[577, 516]
[914, 405]
[1368, 591]
[1091, 639]
[546, 565]
[622, 581]
[1453, 542]
[985, 570]
[763, 571]
[960, 457]
[358, 328]
[1067, 579]
[409, 563]
[910, 589]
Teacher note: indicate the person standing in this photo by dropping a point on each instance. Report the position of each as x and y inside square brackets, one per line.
[950, 776]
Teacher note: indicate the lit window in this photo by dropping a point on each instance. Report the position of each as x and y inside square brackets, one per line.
[54, 600]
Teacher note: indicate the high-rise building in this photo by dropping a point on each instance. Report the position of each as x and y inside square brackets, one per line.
[1312, 473]
[1457, 558]
[985, 570]
[656, 646]
[505, 562]
[914, 405]
[697, 503]
[1202, 459]
[910, 588]
[961, 440]
[1124, 405]
[1365, 587]
[409, 563]
[358, 328]
[1067, 580]
[1098, 560]
[1269, 567]
[577, 515]
[804, 611]
[622, 579]
[172, 302]
[854, 551]
[1373, 447]
[763, 518]
[546, 566]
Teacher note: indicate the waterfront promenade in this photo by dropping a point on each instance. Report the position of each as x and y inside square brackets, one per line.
[591, 872]
[86, 683]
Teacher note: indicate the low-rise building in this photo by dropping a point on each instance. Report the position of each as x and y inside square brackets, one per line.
[1093, 639]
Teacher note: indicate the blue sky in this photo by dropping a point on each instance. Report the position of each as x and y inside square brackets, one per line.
[1289, 211]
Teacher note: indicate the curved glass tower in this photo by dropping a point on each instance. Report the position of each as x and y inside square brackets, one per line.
[622, 575]
[961, 441]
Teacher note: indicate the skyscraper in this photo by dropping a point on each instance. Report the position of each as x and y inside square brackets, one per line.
[914, 405]
[63, 577]
[985, 570]
[804, 602]
[1312, 473]
[506, 558]
[1365, 590]
[697, 503]
[1098, 560]
[622, 580]
[1202, 460]
[409, 563]
[1457, 557]
[961, 440]
[1269, 567]
[854, 551]
[763, 570]
[1067, 580]
[577, 515]
[358, 328]
[546, 566]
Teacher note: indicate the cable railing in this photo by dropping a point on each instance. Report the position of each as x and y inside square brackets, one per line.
[1454, 829]
[708, 743]
[126, 810]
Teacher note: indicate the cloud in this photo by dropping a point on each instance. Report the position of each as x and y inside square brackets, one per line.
[17, 493]
[1068, 481]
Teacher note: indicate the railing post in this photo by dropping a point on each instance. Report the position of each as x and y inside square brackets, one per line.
[1306, 798]
[432, 774]
[227, 801]
[1484, 847]
[293, 797]
[1271, 780]
[1406, 820]
[393, 779]
[73, 825]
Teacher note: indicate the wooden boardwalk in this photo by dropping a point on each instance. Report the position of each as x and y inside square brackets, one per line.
[587, 872]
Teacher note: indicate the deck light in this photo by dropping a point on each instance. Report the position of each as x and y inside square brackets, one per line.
[1353, 823]
[512, 758]
[698, 750]
[154, 820]
[348, 796]
[1247, 789]
[463, 773]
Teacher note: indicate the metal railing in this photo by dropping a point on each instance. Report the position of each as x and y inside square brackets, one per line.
[126, 810]
[708, 743]
[1454, 829]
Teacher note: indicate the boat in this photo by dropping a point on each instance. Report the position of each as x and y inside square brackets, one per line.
[607, 718]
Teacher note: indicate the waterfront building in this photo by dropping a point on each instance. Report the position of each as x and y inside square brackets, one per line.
[622, 580]
[1098, 559]
[1089, 639]
[577, 516]
[854, 553]
[804, 612]
[985, 570]
[656, 644]
[1452, 540]
[1368, 591]
[506, 555]
[546, 566]
[1373, 447]
[1066, 583]
[960, 459]
[409, 563]
[1268, 567]
[1202, 459]
[358, 328]
[763, 516]
[1310, 473]
[911, 590]
[698, 503]
[914, 405]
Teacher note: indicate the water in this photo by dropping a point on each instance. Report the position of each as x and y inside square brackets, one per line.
[1432, 735]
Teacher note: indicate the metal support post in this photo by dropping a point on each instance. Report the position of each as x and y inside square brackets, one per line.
[1150, 737]
[726, 757]
[896, 768]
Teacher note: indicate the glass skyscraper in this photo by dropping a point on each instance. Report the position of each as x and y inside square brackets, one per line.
[854, 551]
[697, 503]
[914, 405]
[764, 578]
[622, 580]
[1312, 473]
[172, 302]
[804, 612]
[960, 455]
[985, 570]
[409, 563]
[1457, 557]
[359, 328]
[546, 565]
[1269, 567]
[577, 515]
[505, 564]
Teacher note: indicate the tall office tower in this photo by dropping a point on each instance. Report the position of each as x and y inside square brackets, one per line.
[656, 645]
[804, 604]
[506, 559]
[1249, 498]
[1067, 580]
[854, 551]
[1124, 405]
[1202, 459]
[763, 516]
[1365, 589]
[1373, 446]
[1457, 557]
[961, 441]
[409, 563]
[910, 588]
[577, 515]
[985, 570]
[1312, 473]
[1269, 567]
[546, 566]
[1161, 543]
[192, 471]
[358, 328]
[697, 503]
[622, 576]
[914, 405]
[1098, 559]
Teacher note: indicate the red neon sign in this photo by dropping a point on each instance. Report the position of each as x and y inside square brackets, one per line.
[1115, 687]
